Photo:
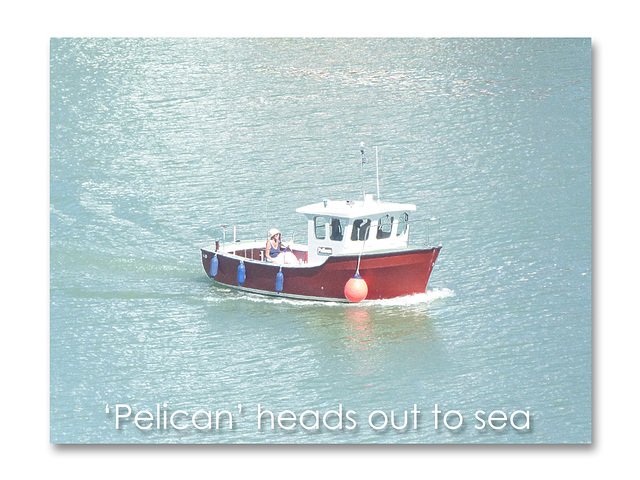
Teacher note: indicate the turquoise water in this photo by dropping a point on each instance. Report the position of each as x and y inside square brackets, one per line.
[156, 142]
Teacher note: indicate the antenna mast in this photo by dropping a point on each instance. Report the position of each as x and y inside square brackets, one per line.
[377, 174]
[364, 160]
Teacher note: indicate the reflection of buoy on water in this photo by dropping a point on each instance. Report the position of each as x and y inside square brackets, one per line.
[241, 273]
[356, 289]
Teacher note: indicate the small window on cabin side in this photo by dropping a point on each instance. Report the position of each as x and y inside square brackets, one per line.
[403, 221]
[384, 227]
[360, 230]
[319, 227]
[336, 229]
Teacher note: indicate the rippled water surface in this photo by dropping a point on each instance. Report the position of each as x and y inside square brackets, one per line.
[156, 142]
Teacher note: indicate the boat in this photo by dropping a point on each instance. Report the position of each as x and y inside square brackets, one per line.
[356, 250]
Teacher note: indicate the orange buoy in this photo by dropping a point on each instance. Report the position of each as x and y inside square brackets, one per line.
[356, 289]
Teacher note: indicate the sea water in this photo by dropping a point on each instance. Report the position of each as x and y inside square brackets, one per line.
[155, 143]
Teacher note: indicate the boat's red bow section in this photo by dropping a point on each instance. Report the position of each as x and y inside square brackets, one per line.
[387, 275]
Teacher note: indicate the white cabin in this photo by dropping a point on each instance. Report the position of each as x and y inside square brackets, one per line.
[352, 227]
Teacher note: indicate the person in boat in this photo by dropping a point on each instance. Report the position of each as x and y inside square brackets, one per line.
[275, 252]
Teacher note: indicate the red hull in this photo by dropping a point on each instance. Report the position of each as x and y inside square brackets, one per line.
[388, 275]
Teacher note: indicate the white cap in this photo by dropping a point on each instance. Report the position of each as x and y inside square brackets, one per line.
[273, 231]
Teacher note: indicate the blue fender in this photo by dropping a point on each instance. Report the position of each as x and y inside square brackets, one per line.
[213, 270]
[242, 273]
[279, 281]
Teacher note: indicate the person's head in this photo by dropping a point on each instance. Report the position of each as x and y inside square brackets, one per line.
[274, 234]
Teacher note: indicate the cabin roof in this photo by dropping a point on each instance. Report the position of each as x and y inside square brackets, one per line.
[355, 209]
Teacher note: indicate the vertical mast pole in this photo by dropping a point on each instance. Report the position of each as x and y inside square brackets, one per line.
[377, 174]
[364, 160]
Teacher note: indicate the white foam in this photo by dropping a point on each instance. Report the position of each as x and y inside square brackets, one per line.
[408, 300]
[254, 297]
[417, 299]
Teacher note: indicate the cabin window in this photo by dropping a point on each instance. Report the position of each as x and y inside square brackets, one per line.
[384, 227]
[319, 223]
[360, 230]
[403, 221]
[336, 229]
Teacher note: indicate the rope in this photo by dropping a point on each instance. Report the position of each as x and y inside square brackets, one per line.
[362, 250]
